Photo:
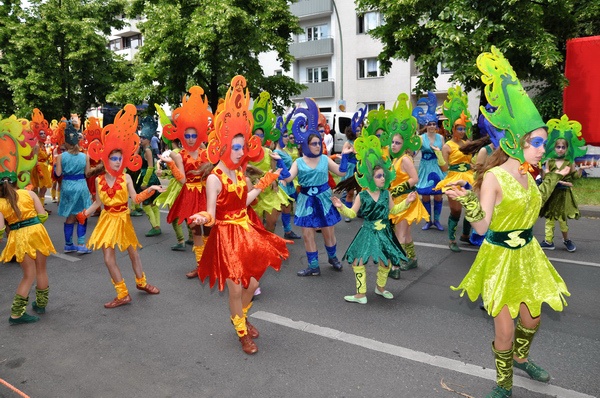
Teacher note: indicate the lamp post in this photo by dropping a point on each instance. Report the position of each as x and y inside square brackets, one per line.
[337, 17]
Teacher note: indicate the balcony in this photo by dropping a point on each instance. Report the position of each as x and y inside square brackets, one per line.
[317, 90]
[129, 29]
[306, 9]
[312, 49]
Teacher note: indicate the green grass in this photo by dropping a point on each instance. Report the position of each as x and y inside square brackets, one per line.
[587, 191]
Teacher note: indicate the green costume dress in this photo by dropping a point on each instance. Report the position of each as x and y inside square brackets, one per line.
[375, 239]
[561, 204]
[511, 267]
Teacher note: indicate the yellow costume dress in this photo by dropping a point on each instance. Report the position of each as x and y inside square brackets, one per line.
[416, 211]
[27, 234]
[40, 175]
[114, 225]
[269, 199]
[459, 166]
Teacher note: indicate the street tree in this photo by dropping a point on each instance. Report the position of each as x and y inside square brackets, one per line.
[206, 43]
[55, 55]
[532, 34]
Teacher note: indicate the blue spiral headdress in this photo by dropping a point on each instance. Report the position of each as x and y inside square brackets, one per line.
[305, 124]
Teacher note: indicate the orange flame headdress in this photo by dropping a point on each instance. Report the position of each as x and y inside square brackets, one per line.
[193, 113]
[92, 131]
[235, 119]
[121, 135]
[39, 124]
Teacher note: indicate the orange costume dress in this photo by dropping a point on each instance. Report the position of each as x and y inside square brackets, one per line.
[40, 175]
[27, 235]
[114, 225]
[416, 211]
[459, 166]
[238, 248]
[192, 198]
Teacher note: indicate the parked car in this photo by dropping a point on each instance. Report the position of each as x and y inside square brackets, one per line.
[338, 121]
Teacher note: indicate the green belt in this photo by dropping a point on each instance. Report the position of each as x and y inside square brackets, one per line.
[460, 167]
[514, 239]
[409, 190]
[25, 223]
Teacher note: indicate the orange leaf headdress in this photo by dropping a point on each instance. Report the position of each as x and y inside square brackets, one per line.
[17, 157]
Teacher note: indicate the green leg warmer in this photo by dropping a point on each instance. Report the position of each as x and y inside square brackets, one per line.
[504, 367]
[178, 230]
[361, 278]
[382, 275]
[452, 224]
[466, 227]
[523, 339]
[156, 211]
[150, 213]
[41, 297]
[18, 306]
[409, 248]
[549, 230]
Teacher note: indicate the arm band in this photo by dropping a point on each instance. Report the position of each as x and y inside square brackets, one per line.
[144, 195]
[43, 217]
[177, 174]
[266, 180]
[285, 173]
[400, 207]
[398, 190]
[344, 163]
[440, 158]
[147, 176]
[347, 212]
[473, 210]
[81, 217]
[210, 221]
[2, 232]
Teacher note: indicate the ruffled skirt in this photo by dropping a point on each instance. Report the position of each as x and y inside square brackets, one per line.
[27, 241]
[113, 229]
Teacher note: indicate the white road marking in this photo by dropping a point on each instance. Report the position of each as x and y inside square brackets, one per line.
[66, 257]
[417, 356]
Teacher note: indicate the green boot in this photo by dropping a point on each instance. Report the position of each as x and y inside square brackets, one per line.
[523, 339]
[41, 300]
[504, 374]
[17, 311]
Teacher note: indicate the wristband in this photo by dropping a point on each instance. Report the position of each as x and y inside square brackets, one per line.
[81, 217]
[440, 158]
[43, 217]
[177, 174]
[285, 173]
[144, 195]
[210, 220]
[266, 180]
[473, 210]
[347, 212]
[147, 176]
[2, 233]
[400, 207]
[344, 163]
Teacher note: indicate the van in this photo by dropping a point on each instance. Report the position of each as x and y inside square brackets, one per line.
[338, 121]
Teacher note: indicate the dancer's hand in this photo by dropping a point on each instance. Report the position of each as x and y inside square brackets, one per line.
[455, 191]
[337, 203]
[158, 188]
[411, 197]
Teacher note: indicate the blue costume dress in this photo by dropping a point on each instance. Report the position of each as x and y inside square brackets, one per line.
[314, 208]
[429, 171]
[74, 192]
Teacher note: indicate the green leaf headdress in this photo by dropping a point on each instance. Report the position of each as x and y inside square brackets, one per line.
[516, 113]
[368, 156]
[376, 120]
[401, 121]
[568, 130]
[454, 107]
[264, 118]
[17, 157]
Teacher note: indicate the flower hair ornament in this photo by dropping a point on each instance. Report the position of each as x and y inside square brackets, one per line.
[264, 118]
[39, 125]
[236, 118]
[121, 135]
[358, 119]
[515, 111]
[369, 156]
[486, 128]
[305, 124]
[424, 117]
[401, 121]
[92, 131]
[192, 114]
[17, 157]
[377, 120]
[568, 130]
[456, 110]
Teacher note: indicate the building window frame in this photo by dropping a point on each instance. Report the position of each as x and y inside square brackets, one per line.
[373, 106]
[115, 44]
[369, 68]
[369, 20]
[317, 74]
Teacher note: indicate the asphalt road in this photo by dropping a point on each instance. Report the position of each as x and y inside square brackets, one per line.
[425, 342]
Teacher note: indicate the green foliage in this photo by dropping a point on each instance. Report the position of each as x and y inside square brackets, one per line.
[55, 56]
[531, 34]
[206, 43]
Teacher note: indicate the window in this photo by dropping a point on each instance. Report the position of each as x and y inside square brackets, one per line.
[368, 67]
[132, 41]
[115, 45]
[316, 32]
[444, 68]
[318, 74]
[373, 106]
[369, 20]
[279, 72]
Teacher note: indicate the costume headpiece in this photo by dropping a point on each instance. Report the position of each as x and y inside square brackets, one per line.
[92, 131]
[486, 128]
[149, 126]
[236, 118]
[357, 120]
[369, 156]
[121, 135]
[377, 120]
[281, 125]
[264, 118]
[456, 110]
[568, 130]
[401, 121]
[17, 157]
[323, 123]
[515, 111]
[192, 114]
[71, 133]
[424, 117]
[305, 124]
[39, 124]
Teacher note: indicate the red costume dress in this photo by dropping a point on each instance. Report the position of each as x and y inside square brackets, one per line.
[192, 198]
[238, 248]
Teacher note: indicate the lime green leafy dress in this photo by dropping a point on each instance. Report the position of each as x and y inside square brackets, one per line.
[515, 270]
